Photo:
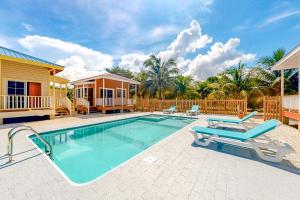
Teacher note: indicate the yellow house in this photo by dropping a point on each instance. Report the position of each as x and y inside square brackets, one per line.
[30, 88]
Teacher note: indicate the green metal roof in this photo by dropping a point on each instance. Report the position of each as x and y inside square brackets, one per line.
[15, 54]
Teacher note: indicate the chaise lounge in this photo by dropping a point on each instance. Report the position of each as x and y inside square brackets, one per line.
[266, 148]
[214, 122]
[194, 110]
[170, 110]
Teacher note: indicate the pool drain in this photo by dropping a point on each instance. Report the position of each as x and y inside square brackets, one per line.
[150, 159]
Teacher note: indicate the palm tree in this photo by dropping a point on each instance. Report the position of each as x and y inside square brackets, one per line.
[161, 74]
[182, 85]
[237, 81]
[269, 61]
[270, 80]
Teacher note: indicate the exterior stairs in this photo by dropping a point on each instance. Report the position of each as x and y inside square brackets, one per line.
[93, 110]
[60, 112]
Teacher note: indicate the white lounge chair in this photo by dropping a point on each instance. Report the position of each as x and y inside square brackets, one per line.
[170, 110]
[194, 110]
[266, 148]
[214, 122]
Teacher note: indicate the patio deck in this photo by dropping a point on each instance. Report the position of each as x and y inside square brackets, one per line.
[181, 171]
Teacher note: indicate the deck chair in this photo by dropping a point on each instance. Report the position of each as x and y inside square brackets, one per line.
[194, 110]
[170, 110]
[266, 148]
[213, 122]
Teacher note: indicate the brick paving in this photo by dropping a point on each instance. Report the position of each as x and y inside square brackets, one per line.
[181, 170]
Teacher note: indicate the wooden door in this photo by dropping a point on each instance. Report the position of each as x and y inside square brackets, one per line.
[34, 91]
[91, 96]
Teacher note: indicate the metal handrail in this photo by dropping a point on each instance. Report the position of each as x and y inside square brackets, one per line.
[12, 133]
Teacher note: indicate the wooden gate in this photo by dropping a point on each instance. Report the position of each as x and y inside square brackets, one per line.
[273, 107]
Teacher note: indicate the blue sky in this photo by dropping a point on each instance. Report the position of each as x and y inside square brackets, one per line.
[204, 36]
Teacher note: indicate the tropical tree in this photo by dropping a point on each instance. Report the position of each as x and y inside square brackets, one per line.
[120, 71]
[269, 80]
[269, 61]
[161, 74]
[184, 87]
[203, 89]
[236, 81]
[142, 77]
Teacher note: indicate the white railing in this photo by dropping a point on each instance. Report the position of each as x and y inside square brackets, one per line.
[83, 102]
[17, 102]
[107, 101]
[99, 102]
[290, 102]
[63, 102]
[118, 101]
[130, 101]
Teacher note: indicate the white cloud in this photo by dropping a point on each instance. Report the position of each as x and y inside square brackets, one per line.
[133, 62]
[219, 57]
[27, 27]
[162, 31]
[188, 40]
[278, 17]
[69, 54]
[75, 68]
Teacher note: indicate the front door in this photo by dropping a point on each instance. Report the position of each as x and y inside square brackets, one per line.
[91, 96]
[34, 91]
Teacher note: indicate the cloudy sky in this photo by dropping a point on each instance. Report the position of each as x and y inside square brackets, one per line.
[204, 36]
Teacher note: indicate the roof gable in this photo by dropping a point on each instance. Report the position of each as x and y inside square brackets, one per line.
[15, 54]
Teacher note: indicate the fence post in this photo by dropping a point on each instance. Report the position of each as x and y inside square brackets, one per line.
[280, 109]
[264, 107]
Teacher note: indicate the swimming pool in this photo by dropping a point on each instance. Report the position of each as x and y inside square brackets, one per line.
[84, 153]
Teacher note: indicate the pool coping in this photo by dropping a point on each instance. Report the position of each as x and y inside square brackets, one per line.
[114, 168]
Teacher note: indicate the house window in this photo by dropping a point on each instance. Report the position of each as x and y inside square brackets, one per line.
[78, 93]
[119, 91]
[85, 92]
[15, 88]
[108, 93]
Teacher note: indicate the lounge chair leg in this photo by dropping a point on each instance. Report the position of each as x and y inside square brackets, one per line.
[206, 142]
[280, 152]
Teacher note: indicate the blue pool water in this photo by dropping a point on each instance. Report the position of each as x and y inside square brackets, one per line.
[85, 153]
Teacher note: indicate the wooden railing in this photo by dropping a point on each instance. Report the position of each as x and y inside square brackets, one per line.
[19, 102]
[228, 107]
[114, 101]
[272, 107]
[290, 102]
[63, 102]
[84, 103]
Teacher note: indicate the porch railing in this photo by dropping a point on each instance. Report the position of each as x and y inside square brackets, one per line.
[83, 102]
[290, 102]
[17, 102]
[114, 101]
[63, 102]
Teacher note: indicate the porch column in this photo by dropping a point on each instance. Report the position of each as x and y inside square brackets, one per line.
[83, 93]
[128, 95]
[95, 93]
[60, 94]
[135, 92]
[122, 97]
[103, 85]
[66, 90]
[1, 81]
[282, 83]
[299, 94]
[54, 90]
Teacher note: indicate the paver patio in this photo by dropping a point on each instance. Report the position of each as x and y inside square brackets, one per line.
[182, 170]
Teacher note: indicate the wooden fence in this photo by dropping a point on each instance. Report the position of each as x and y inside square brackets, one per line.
[272, 107]
[227, 107]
